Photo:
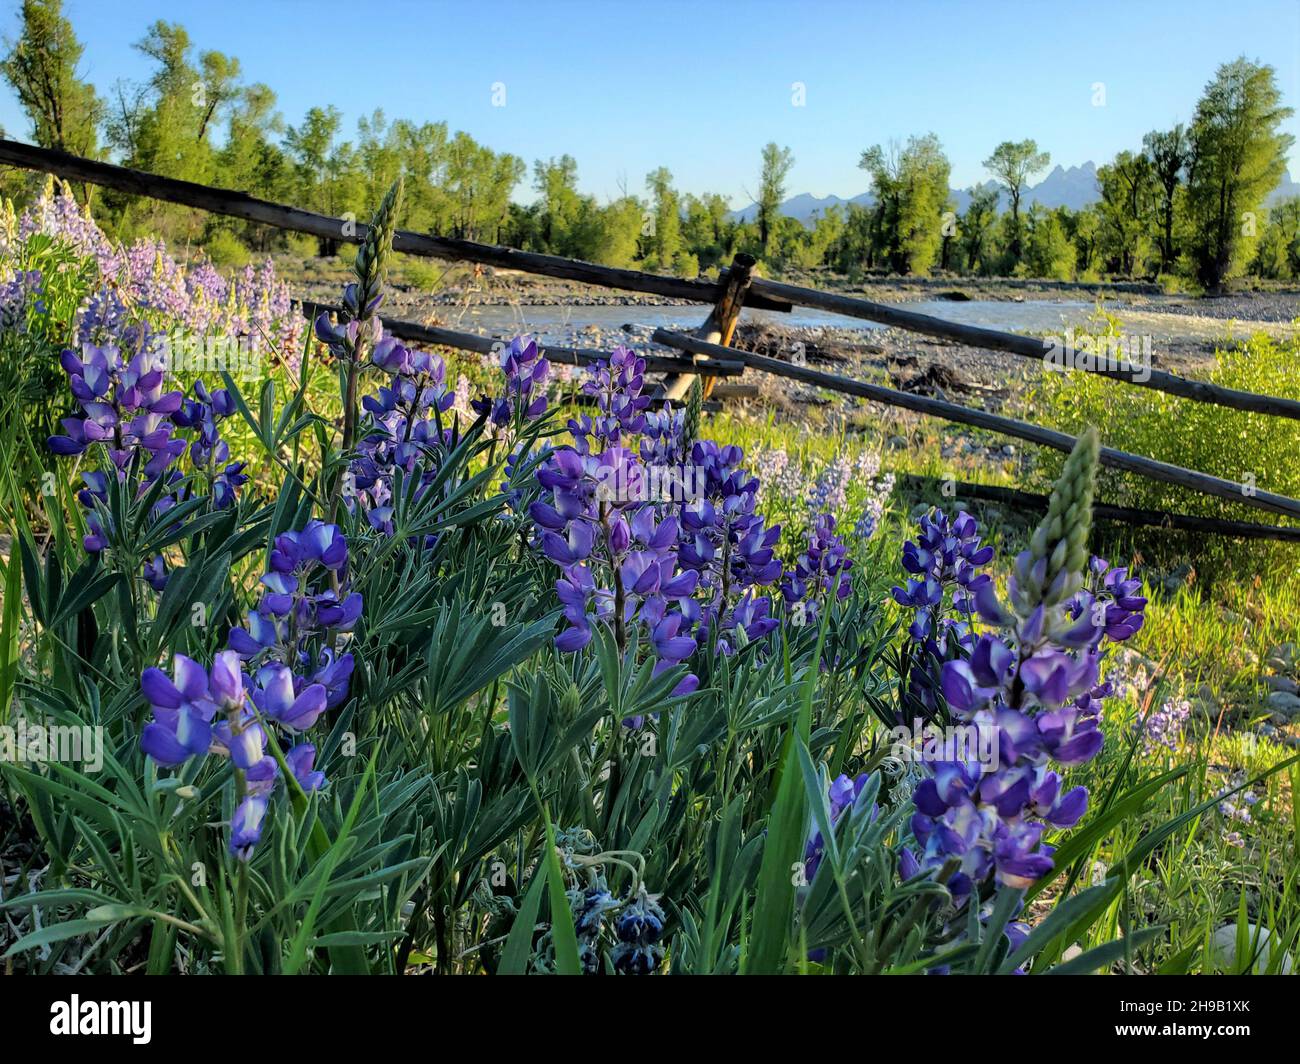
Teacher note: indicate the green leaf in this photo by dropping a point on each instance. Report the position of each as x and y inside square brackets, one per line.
[519, 943]
[563, 935]
[9, 631]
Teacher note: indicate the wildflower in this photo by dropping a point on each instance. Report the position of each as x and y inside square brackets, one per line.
[638, 929]
[524, 398]
[1164, 727]
[842, 793]
[1032, 682]
[821, 572]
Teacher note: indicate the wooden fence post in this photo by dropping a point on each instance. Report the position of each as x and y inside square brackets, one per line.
[718, 327]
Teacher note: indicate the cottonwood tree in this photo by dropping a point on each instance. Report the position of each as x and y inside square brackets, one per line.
[978, 229]
[911, 189]
[41, 66]
[777, 163]
[1238, 157]
[1128, 208]
[1168, 153]
[1012, 164]
[665, 242]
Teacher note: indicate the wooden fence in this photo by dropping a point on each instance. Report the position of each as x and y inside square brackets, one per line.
[707, 352]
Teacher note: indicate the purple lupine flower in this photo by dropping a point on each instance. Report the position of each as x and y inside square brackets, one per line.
[183, 710]
[1032, 683]
[525, 373]
[615, 551]
[295, 623]
[1164, 727]
[401, 434]
[638, 928]
[246, 826]
[842, 793]
[729, 545]
[300, 760]
[821, 572]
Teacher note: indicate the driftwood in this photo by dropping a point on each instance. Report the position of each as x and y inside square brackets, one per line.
[777, 341]
[1024, 346]
[1147, 467]
[1128, 515]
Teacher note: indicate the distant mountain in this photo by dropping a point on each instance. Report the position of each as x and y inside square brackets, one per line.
[1286, 188]
[1074, 187]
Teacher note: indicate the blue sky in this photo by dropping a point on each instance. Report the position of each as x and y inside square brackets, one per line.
[700, 86]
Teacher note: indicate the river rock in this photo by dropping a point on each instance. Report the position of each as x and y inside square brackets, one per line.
[1223, 950]
[1284, 702]
[1282, 683]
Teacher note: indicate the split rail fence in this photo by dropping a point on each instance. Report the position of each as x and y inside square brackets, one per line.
[708, 353]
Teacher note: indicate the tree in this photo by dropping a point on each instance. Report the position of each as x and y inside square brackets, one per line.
[1128, 210]
[911, 189]
[977, 229]
[1013, 163]
[771, 188]
[1049, 252]
[1278, 253]
[249, 159]
[665, 207]
[619, 232]
[1168, 154]
[1238, 156]
[556, 182]
[41, 66]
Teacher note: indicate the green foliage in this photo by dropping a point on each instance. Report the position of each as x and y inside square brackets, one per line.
[911, 189]
[1239, 153]
[1251, 449]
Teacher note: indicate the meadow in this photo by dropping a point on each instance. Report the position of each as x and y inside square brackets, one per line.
[323, 654]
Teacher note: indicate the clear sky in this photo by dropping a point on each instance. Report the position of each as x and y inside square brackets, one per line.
[700, 86]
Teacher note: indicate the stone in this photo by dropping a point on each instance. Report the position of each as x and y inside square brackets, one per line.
[1009, 450]
[1282, 683]
[1284, 702]
[1286, 652]
[1223, 950]
[896, 443]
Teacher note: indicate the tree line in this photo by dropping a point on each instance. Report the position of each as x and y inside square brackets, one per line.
[1188, 202]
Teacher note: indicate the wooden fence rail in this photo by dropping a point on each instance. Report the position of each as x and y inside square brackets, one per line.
[1024, 346]
[1147, 467]
[1126, 515]
[726, 297]
[241, 205]
[761, 294]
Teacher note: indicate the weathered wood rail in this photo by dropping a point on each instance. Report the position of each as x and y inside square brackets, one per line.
[735, 288]
[1127, 515]
[235, 204]
[1023, 430]
[1024, 346]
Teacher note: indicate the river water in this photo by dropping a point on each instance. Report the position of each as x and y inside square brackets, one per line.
[562, 324]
